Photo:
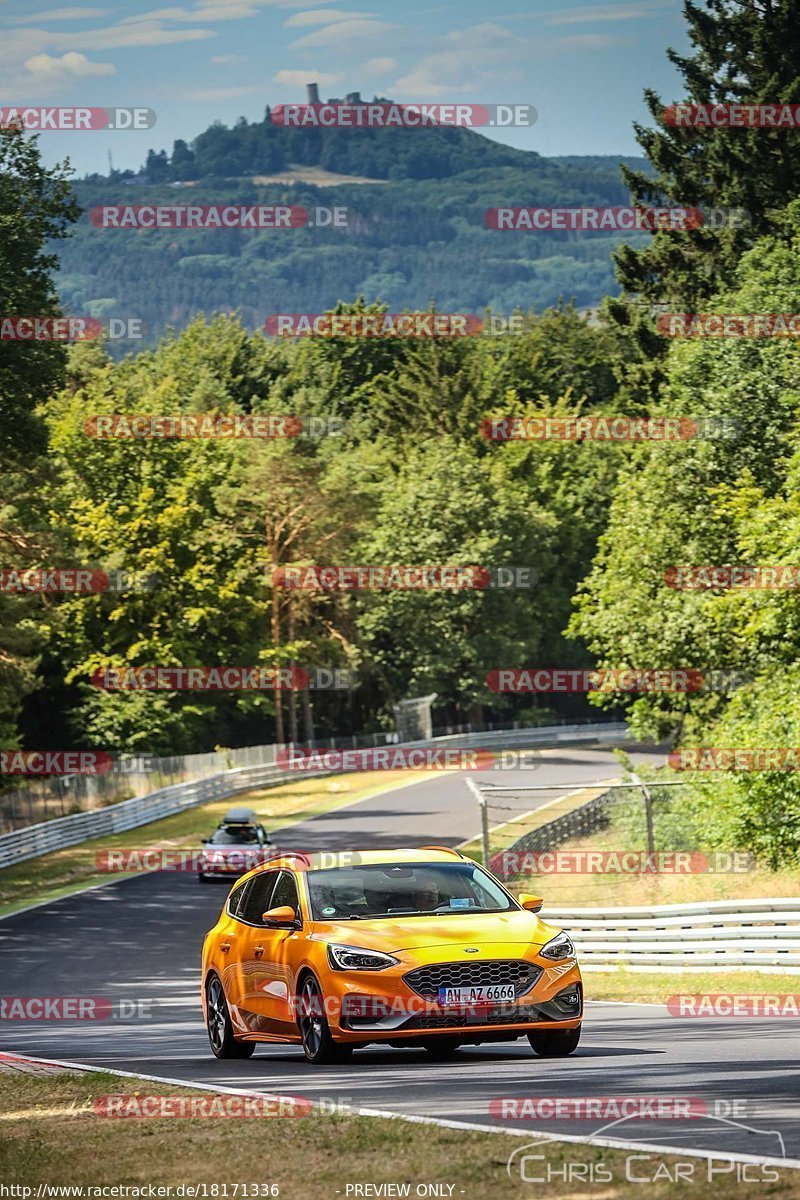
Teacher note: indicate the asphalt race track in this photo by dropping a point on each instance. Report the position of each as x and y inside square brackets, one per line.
[139, 940]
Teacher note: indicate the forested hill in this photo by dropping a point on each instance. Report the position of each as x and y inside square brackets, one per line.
[409, 237]
[262, 147]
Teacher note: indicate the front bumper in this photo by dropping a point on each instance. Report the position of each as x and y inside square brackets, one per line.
[369, 1006]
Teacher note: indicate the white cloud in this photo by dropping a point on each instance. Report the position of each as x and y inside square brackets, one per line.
[320, 16]
[227, 59]
[216, 10]
[467, 60]
[120, 36]
[605, 12]
[379, 66]
[481, 56]
[586, 41]
[60, 14]
[301, 78]
[69, 66]
[345, 31]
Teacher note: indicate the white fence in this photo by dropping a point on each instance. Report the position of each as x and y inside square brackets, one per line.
[62, 832]
[715, 933]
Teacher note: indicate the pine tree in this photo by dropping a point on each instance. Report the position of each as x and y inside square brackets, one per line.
[745, 52]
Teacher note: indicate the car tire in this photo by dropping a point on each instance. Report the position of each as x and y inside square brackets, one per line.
[555, 1043]
[442, 1047]
[203, 878]
[218, 1024]
[318, 1044]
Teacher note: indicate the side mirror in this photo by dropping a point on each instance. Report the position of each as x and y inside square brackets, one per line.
[529, 902]
[282, 917]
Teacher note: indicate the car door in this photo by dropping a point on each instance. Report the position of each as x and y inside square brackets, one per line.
[242, 992]
[265, 955]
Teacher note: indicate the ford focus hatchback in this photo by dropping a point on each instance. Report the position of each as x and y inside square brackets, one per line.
[405, 947]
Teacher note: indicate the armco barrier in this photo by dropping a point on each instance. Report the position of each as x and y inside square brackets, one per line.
[714, 933]
[61, 832]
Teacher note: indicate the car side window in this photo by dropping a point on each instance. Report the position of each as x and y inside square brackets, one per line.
[285, 893]
[236, 899]
[258, 898]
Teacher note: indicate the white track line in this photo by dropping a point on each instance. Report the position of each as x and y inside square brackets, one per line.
[441, 1122]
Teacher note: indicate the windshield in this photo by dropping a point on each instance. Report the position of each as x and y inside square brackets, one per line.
[407, 889]
[235, 835]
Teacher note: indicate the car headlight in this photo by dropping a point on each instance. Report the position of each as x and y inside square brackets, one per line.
[353, 958]
[558, 948]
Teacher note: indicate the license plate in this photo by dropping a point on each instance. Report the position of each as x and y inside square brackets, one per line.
[496, 993]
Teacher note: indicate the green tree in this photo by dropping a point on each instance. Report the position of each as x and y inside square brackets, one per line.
[714, 500]
[744, 52]
[36, 207]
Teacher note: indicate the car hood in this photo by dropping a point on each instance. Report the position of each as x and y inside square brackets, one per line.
[392, 934]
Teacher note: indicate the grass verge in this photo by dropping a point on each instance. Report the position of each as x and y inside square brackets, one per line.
[49, 1134]
[653, 988]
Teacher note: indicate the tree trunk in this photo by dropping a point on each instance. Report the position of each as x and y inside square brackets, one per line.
[292, 694]
[276, 641]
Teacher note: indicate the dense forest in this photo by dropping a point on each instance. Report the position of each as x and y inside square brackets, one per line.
[409, 231]
[405, 475]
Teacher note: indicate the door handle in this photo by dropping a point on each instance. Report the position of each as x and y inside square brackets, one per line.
[258, 950]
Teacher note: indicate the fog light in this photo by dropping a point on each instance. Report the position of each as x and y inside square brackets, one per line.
[365, 1008]
[569, 1000]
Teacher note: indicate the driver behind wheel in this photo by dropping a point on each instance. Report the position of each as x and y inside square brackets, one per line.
[426, 894]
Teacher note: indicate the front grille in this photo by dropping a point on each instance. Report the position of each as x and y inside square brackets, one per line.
[426, 981]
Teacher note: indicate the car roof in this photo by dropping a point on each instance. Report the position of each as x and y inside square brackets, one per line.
[321, 860]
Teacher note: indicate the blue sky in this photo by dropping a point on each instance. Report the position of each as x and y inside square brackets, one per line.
[583, 66]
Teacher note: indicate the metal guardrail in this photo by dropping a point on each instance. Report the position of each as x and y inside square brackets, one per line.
[62, 832]
[717, 933]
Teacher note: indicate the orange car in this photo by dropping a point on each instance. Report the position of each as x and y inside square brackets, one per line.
[404, 947]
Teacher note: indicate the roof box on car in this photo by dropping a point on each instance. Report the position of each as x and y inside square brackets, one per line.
[240, 816]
